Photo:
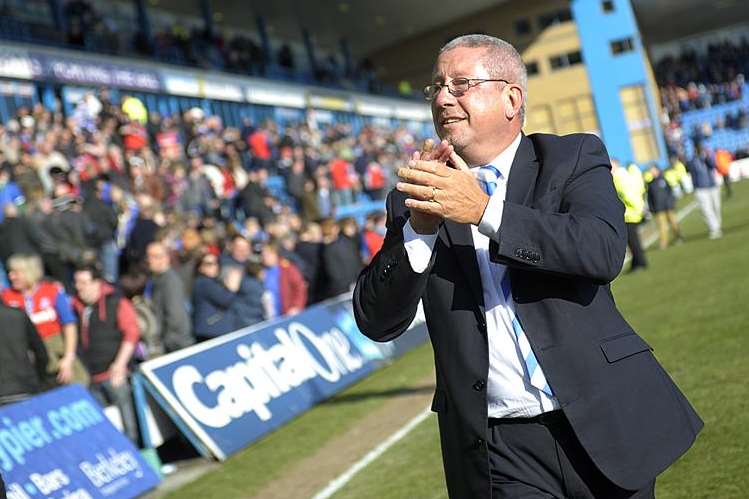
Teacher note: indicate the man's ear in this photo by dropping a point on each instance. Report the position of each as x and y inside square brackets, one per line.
[513, 101]
[508, 108]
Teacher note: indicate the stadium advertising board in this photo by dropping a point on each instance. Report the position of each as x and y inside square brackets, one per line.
[230, 391]
[330, 102]
[87, 72]
[413, 112]
[60, 444]
[15, 63]
[220, 90]
[374, 107]
[276, 95]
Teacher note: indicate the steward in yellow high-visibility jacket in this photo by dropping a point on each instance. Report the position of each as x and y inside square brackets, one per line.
[630, 188]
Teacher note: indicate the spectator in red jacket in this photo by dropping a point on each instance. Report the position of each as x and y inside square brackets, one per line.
[258, 142]
[284, 281]
[108, 336]
[374, 234]
[343, 177]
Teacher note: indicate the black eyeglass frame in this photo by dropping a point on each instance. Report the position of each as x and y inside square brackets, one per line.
[432, 91]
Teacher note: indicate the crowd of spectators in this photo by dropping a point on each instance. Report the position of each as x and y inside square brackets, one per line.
[700, 80]
[700, 133]
[695, 80]
[125, 234]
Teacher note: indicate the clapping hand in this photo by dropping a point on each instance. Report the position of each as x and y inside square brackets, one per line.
[441, 186]
[422, 222]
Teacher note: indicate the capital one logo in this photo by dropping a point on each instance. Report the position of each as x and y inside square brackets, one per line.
[261, 375]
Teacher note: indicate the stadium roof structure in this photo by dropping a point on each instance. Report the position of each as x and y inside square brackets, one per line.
[666, 20]
[368, 25]
[372, 25]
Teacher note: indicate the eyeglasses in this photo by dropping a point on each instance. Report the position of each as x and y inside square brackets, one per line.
[209, 262]
[456, 86]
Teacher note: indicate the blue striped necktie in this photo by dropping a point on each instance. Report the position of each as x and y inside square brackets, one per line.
[488, 176]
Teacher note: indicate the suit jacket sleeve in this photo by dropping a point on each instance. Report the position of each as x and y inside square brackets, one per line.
[585, 238]
[388, 291]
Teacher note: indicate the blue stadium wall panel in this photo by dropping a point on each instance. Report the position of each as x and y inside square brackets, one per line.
[608, 72]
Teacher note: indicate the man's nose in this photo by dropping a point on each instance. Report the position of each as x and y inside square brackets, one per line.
[443, 98]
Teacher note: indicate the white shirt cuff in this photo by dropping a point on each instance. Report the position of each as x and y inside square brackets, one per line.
[418, 247]
[492, 219]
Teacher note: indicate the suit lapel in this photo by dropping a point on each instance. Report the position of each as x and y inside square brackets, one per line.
[523, 174]
[522, 181]
[461, 242]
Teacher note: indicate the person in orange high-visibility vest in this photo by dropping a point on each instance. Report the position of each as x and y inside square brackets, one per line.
[723, 160]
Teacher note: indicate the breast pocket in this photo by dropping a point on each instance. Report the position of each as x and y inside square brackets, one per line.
[623, 346]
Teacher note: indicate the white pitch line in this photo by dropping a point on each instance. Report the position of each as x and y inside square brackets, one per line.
[335, 485]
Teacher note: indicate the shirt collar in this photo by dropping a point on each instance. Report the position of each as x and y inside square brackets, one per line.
[503, 161]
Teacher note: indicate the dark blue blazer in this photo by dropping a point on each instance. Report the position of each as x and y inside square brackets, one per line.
[563, 238]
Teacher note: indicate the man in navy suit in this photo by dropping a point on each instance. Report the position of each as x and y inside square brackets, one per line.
[511, 241]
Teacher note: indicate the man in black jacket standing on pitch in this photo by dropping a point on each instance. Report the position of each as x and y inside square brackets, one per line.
[661, 202]
[511, 241]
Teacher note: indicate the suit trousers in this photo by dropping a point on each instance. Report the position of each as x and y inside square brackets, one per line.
[541, 458]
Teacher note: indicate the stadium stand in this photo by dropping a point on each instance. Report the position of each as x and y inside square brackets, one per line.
[83, 27]
[180, 207]
[706, 98]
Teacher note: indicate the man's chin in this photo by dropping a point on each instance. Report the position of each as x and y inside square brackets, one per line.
[451, 137]
[456, 141]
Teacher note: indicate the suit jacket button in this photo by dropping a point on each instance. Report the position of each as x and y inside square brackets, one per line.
[479, 385]
[478, 443]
